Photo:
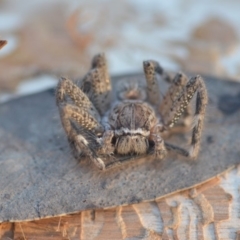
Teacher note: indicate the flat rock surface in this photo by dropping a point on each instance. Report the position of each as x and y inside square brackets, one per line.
[40, 178]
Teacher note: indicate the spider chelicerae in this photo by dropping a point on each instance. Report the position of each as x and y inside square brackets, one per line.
[98, 126]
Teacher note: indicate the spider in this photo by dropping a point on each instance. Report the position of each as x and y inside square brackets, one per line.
[133, 125]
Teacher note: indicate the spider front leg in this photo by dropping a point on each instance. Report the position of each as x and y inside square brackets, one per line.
[195, 84]
[68, 90]
[82, 130]
[80, 121]
[175, 90]
[201, 103]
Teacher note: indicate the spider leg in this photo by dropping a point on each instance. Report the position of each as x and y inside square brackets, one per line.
[97, 85]
[150, 69]
[195, 84]
[80, 121]
[68, 89]
[99, 61]
[82, 130]
[201, 102]
[176, 149]
[171, 97]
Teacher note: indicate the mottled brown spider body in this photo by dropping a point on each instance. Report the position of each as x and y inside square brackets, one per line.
[135, 123]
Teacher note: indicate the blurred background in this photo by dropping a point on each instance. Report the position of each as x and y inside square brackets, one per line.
[47, 39]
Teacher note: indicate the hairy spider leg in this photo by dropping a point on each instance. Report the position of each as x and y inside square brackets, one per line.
[195, 84]
[97, 85]
[151, 69]
[175, 103]
[80, 121]
[172, 95]
[68, 90]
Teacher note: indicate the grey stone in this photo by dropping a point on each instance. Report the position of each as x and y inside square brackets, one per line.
[40, 178]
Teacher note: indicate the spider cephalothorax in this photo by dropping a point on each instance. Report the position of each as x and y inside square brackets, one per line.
[135, 123]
